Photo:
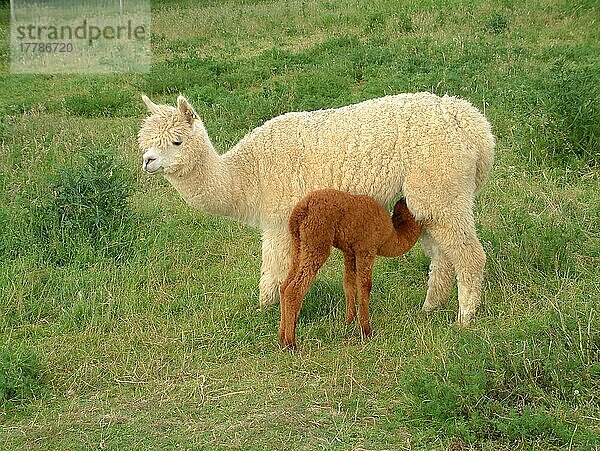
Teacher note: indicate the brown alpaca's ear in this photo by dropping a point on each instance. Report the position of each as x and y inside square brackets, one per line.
[152, 107]
[186, 110]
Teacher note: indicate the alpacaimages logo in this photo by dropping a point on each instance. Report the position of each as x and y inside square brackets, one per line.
[79, 36]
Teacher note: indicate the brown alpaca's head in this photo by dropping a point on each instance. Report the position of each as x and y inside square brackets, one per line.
[401, 211]
[402, 217]
[165, 137]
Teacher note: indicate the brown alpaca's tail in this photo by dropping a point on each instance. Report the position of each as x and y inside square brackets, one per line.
[408, 230]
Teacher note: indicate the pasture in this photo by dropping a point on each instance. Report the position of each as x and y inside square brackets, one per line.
[130, 321]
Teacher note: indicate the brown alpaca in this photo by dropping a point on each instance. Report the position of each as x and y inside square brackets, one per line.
[361, 229]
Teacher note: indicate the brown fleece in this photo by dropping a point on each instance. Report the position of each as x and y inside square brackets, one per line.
[361, 229]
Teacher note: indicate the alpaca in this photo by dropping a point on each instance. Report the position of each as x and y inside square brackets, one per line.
[361, 229]
[436, 151]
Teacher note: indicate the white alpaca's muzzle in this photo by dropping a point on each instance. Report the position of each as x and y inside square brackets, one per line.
[151, 163]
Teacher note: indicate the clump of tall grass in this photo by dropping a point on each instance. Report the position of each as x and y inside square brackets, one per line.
[496, 23]
[503, 385]
[85, 213]
[21, 375]
[570, 131]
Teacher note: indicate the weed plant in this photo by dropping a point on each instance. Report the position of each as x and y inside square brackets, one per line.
[84, 211]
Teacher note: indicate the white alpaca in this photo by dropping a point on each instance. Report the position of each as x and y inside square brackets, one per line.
[435, 151]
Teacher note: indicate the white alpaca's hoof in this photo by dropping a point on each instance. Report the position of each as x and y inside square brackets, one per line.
[266, 301]
[464, 319]
[427, 307]
[462, 324]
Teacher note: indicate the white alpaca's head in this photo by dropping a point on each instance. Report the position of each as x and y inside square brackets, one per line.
[167, 137]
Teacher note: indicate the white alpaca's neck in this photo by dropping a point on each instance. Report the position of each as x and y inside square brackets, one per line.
[210, 182]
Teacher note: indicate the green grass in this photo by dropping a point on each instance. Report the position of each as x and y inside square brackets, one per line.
[129, 321]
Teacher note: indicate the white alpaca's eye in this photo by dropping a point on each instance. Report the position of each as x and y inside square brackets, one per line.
[177, 143]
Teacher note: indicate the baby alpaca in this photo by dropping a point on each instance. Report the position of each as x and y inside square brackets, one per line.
[361, 229]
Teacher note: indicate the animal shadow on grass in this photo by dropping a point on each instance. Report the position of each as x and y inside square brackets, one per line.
[325, 299]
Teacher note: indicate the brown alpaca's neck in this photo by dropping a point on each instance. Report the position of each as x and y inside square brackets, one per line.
[405, 234]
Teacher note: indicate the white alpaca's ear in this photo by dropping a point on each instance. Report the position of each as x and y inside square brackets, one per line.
[152, 107]
[186, 109]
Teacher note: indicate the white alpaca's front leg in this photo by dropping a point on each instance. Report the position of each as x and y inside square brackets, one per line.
[441, 275]
[276, 259]
[457, 239]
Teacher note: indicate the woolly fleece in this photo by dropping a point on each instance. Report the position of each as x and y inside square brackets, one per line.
[436, 151]
[361, 229]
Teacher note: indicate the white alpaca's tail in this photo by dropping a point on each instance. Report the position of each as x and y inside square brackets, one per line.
[486, 158]
[478, 135]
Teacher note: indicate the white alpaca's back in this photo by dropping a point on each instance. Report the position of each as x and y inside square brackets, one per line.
[379, 147]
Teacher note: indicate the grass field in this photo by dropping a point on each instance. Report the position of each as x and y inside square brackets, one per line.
[129, 321]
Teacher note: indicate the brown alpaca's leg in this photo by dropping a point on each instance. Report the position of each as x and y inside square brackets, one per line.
[284, 300]
[350, 286]
[289, 313]
[308, 266]
[287, 323]
[364, 269]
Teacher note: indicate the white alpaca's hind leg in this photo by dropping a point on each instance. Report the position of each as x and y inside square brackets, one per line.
[276, 260]
[457, 239]
[441, 274]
